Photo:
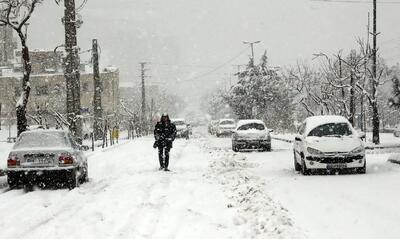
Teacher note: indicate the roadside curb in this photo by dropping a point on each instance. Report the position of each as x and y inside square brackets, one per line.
[284, 140]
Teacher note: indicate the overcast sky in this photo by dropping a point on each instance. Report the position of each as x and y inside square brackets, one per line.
[208, 33]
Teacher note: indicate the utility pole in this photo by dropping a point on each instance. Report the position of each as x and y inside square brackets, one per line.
[252, 48]
[375, 112]
[238, 71]
[143, 118]
[72, 70]
[152, 108]
[366, 61]
[97, 108]
[0, 114]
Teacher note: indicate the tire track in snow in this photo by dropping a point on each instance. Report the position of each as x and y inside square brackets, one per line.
[150, 221]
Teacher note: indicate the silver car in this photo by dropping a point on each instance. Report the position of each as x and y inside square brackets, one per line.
[251, 134]
[43, 157]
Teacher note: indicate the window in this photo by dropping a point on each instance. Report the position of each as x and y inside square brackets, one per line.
[331, 129]
[17, 91]
[252, 126]
[227, 122]
[179, 122]
[42, 90]
[85, 87]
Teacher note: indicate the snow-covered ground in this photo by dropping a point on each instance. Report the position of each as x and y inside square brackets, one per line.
[331, 207]
[211, 192]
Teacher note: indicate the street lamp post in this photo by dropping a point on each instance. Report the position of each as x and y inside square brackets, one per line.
[252, 47]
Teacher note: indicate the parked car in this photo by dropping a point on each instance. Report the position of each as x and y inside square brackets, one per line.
[212, 126]
[328, 143]
[182, 129]
[225, 127]
[396, 132]
[46, 156]
[251, 134]
[190, 129]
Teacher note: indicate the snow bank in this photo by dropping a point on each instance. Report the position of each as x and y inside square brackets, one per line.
[256, 214]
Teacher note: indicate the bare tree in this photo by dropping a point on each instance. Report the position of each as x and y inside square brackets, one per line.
[16, 14]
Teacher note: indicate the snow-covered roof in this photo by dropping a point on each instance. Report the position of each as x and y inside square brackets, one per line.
[249, 121]
[315, 121]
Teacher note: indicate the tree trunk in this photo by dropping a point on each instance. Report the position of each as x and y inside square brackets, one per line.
[352, 101]
[22, 122]
[375, 123]
[72, 71]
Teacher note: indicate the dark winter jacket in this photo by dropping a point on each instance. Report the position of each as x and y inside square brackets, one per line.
[164, 134]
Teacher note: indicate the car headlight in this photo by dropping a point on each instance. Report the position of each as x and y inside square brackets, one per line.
[314, 151]
[267, 137]
[358, 150]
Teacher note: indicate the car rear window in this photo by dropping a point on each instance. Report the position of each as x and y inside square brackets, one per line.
[331, 129]
[252, 126]
[179, 122]
[225, 122]
[41, 140]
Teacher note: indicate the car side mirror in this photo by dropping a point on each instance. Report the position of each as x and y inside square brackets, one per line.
[297, 138]
[362, 135]
[271, 130]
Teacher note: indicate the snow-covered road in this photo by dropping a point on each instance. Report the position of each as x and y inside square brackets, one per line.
[211, 192]
[334, 206]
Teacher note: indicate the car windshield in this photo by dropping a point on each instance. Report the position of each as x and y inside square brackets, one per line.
[226, 122]
[256, 126]
[41, 140]
[331, 129]
[179, 122]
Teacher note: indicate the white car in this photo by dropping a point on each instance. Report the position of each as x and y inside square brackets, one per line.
[329, 143]
[182, 129]
[251, 134]
[225, 127]
[46, 157]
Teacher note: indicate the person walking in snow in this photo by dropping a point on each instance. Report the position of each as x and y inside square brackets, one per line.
[164, 134]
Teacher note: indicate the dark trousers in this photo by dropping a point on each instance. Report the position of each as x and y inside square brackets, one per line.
[163, 156]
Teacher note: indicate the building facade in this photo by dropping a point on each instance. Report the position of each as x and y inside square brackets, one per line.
[48, 93]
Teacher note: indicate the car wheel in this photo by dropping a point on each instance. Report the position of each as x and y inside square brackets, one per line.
[396, 134]
[297, 166]
[217, 135]
[85, 177]
[362, 170]
[304, 169]
[235, 148]
[268, 148]
[73, 181]
[13, 182]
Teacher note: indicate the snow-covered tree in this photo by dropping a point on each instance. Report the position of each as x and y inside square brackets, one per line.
[262, 93]
[16, 14]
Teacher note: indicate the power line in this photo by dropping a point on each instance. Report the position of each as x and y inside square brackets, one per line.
[184, 65]
[355, 1]
[220, 66]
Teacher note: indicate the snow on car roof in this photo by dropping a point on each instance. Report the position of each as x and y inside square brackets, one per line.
[315, 121]
[226, 120]
[174, 120]
[249, 121]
